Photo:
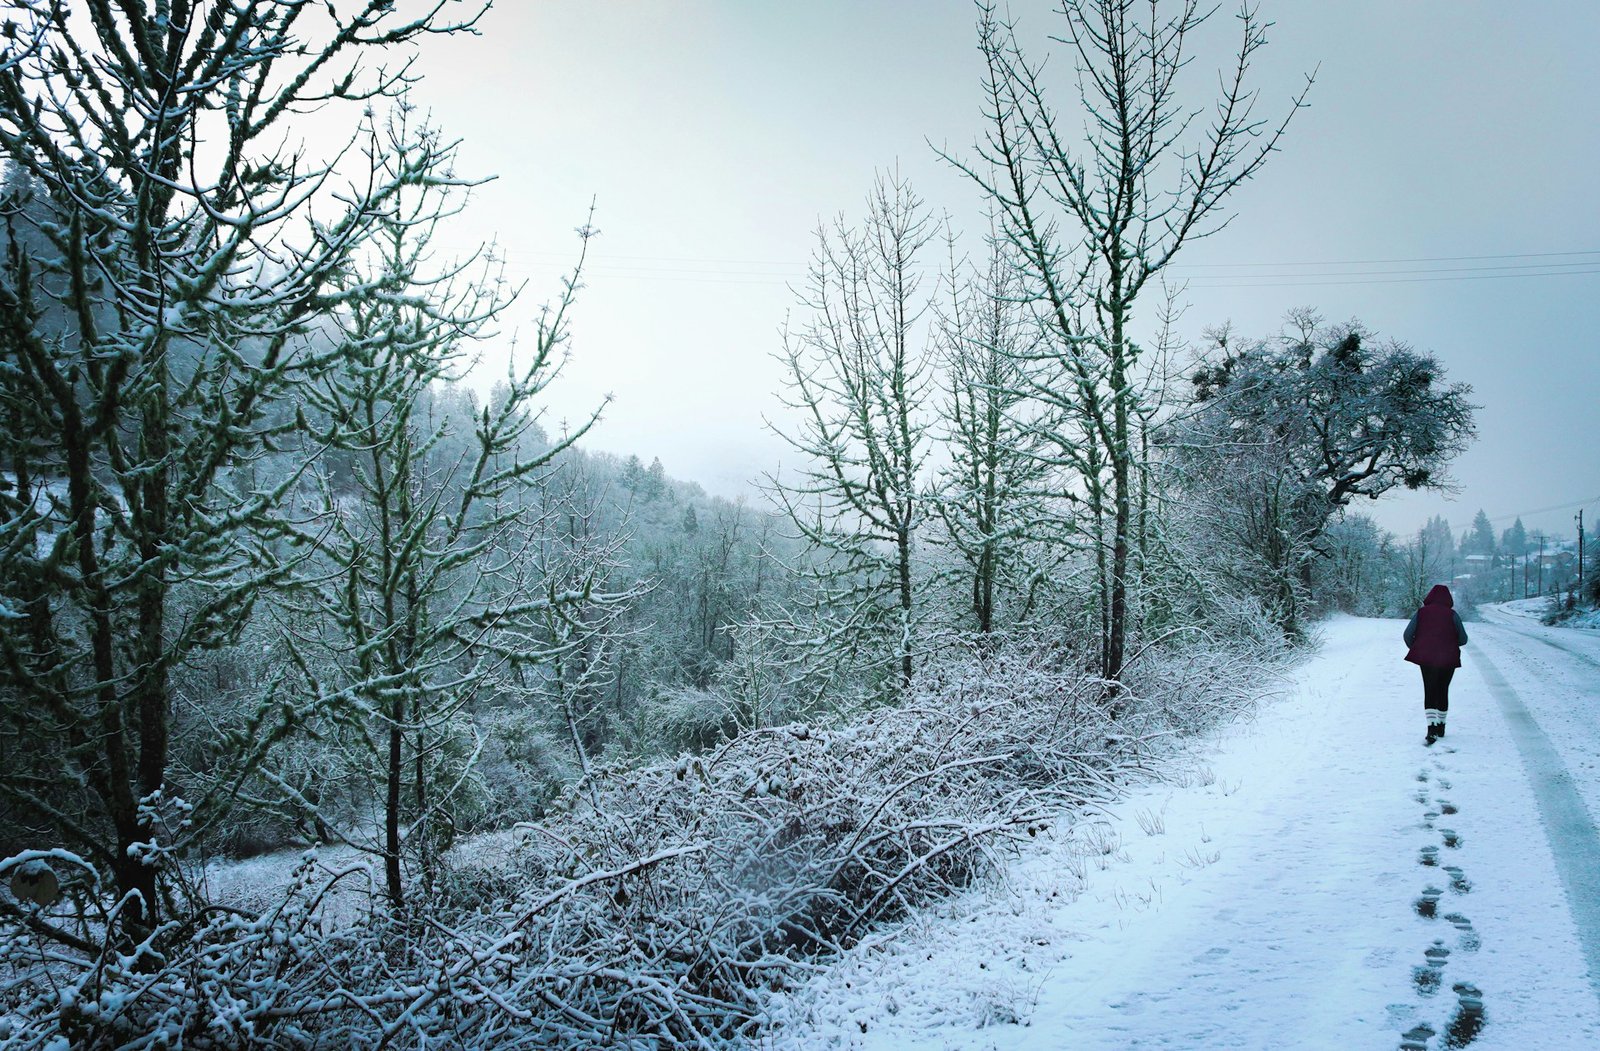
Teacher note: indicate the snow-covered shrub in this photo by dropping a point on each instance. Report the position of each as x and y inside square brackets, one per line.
[1193, 687]
[1568, 608]
[686, 718]
[655, 905]
[524, 765]
[771, 679]
[219, 978]
[1199, 674]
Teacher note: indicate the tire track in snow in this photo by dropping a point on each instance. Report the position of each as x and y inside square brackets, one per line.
[1568, 651]
[1516, 626]
[1568, 827]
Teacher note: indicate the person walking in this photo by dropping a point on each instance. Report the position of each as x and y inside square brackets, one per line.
[1434, 638]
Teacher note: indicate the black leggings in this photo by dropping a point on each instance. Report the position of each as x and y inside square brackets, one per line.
[1436, 688]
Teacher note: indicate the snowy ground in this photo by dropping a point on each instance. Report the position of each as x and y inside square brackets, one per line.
[257, 884]
[1534, 609]
[1284, 890]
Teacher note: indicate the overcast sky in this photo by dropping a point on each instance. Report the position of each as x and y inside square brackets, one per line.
[1441, 188]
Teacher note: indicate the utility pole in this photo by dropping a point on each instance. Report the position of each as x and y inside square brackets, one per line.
[1541, 565]
[1580, 553]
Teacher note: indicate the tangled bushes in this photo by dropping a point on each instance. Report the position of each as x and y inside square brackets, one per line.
[660, 904]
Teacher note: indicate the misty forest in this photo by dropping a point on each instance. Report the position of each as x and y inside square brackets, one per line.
[349, 698]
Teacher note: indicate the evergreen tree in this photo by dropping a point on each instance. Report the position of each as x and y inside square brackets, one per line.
[1439, 537]
[655, 480]
[1514, 541]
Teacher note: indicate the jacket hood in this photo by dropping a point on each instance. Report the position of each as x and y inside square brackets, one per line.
[1439, 596]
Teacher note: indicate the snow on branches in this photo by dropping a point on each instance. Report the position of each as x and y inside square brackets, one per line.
[664, 902]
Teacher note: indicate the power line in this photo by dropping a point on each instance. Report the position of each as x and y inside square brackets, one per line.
[1424, 270]
[1200, 282]
[1513, 515]
[734, 271]
[1311, 280]
[1419, 259]
[737, 265]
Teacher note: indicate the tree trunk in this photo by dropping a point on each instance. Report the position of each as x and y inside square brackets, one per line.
[1121, 454]
[391, 810]
[905, 607]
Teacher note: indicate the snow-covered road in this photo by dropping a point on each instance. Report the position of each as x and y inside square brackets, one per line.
[1315, 879]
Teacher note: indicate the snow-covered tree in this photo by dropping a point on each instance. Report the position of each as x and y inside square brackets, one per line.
[858, 375]
[1353, 574]
[992, 495]
[1094, 222]
[1289, 432]
[575, 556]
[191, 246]
[422, 604]
[1424, 562]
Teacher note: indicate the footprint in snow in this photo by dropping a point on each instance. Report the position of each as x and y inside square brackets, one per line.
[1468, 939]
[1469, 1019]
[1428, 977]
[1400, 1014]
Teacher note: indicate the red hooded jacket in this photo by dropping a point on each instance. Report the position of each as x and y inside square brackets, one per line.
[1436, 633]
